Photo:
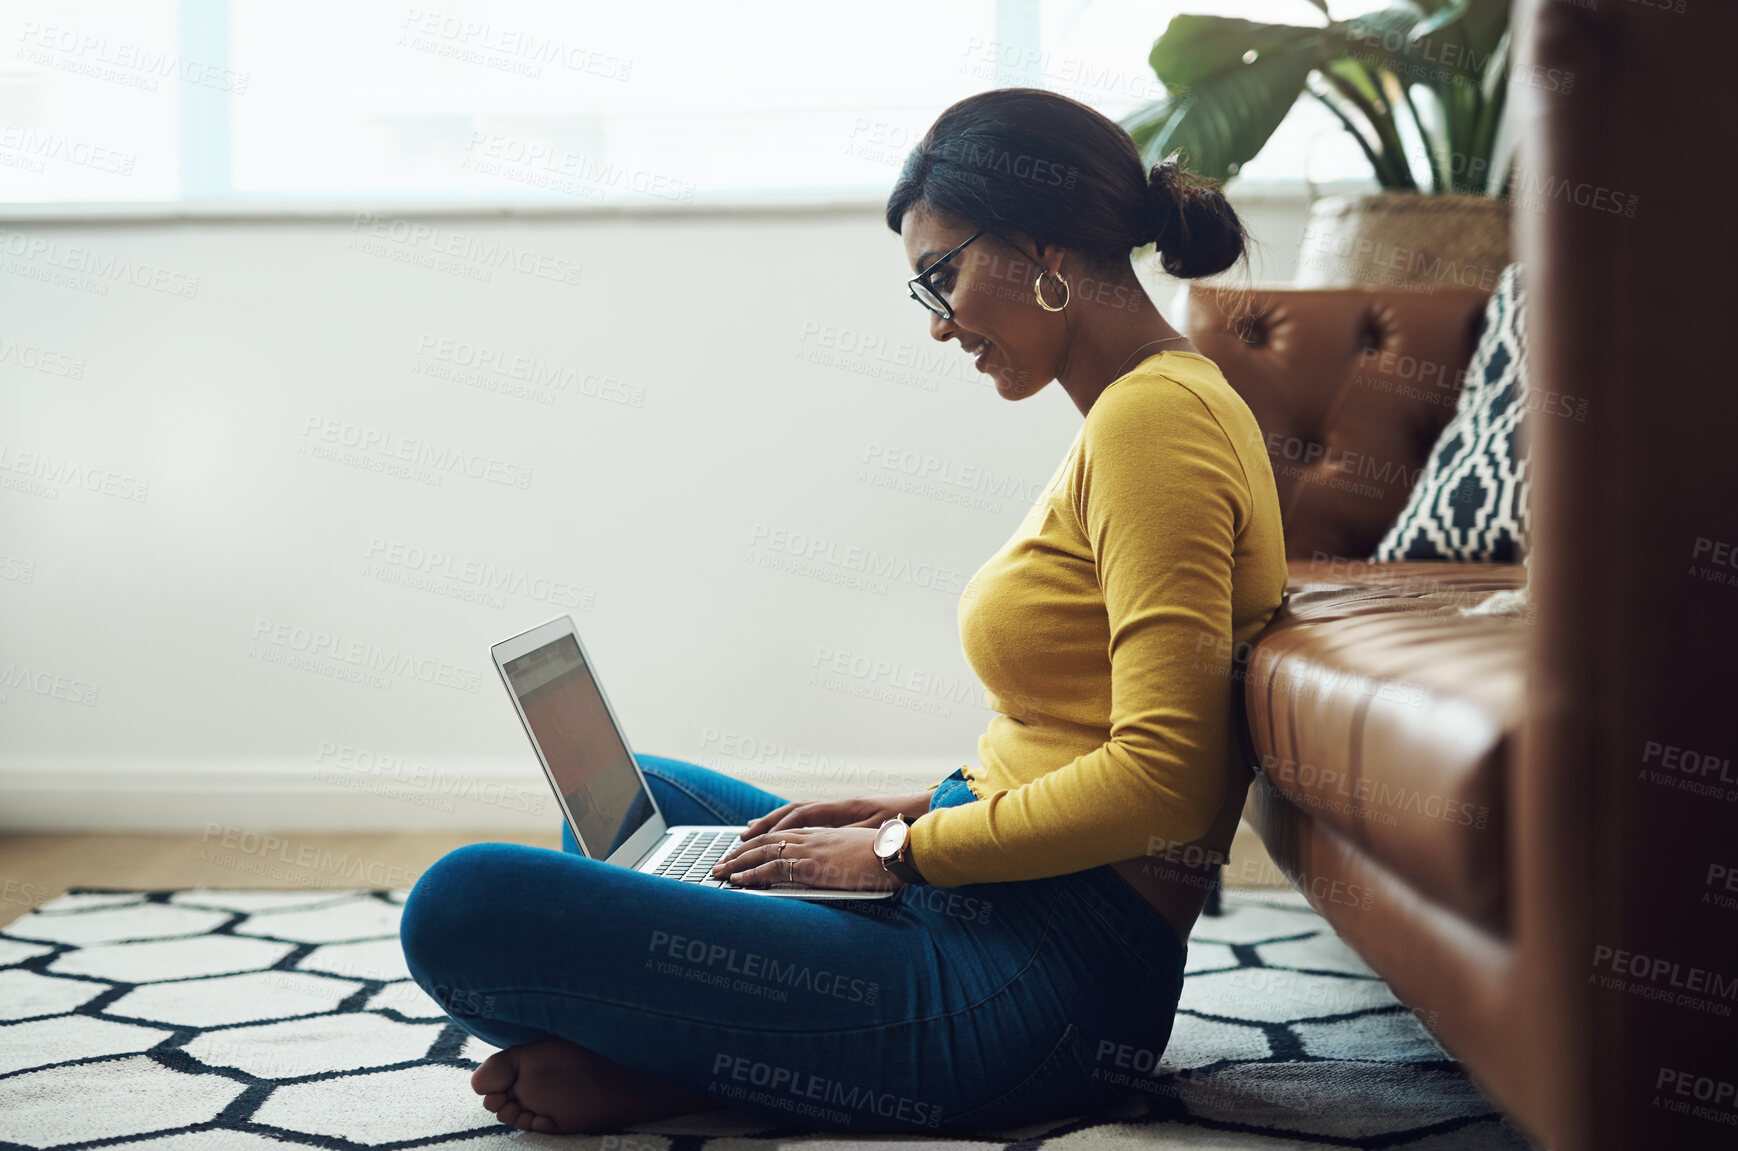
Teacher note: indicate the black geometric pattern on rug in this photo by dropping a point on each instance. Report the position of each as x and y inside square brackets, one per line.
[1470, 502]
[242, 1020]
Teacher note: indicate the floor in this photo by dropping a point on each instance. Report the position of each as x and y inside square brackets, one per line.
[35, 868]
[1311, 1050]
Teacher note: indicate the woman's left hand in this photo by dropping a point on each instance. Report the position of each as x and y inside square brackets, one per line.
[842, 858]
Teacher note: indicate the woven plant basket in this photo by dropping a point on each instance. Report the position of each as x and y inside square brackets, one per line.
[1404, 240]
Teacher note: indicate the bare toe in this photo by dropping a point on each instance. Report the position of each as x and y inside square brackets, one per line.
[509, 1112]
[496, 1073]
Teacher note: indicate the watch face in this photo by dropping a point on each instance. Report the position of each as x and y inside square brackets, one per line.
[890, 839]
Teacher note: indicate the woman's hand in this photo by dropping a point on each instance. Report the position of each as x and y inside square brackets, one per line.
[837, 857]
[860, 811]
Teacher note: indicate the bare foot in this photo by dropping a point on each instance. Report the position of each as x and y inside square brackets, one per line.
[558, 1087]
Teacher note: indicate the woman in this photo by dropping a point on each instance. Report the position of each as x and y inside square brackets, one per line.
[1030, 965]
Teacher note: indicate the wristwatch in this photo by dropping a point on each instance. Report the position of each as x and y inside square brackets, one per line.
[893, 848]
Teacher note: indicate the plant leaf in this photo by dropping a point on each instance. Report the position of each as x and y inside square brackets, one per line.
[1361, 87]
[1456, 52]
[1464, 35]
[1221, 122]
[1228, 84]
[1195, 49]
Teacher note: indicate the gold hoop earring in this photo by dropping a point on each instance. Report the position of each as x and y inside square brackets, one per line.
[1038, 290]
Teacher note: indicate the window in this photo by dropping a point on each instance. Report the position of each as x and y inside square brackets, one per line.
[203, 102]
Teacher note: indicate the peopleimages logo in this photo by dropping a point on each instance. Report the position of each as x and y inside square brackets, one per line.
[122, 61]
[414, 241]
[48, 475]
[783, 1086]
[362, 770]
[34, 358]
[754, 965]
[103, 269]
[1665, 979]
[369, 447]
[440, 565]
[286, 639]
[480, 43]
[37, 147]
[19, 677]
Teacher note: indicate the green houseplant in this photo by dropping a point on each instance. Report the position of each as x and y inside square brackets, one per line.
[1420, 85]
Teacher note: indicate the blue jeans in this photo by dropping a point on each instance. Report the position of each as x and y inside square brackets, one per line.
[944, 1009]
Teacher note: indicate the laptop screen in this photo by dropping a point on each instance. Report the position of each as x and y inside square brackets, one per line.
[572, 727]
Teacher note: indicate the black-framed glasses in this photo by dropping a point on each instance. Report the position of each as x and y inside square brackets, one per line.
[925, 292]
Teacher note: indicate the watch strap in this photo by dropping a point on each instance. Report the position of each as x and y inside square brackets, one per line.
[902, 869]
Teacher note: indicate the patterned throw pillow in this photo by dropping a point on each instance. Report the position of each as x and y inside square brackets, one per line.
[1470, 503]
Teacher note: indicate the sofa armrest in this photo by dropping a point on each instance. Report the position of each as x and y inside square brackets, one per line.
[1351, 388]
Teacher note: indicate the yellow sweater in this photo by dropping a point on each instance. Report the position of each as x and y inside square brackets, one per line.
[1103, 633]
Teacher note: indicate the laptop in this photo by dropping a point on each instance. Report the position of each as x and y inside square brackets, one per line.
[598, 783]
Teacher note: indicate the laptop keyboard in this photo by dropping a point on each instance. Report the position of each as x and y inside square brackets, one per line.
[693, 856]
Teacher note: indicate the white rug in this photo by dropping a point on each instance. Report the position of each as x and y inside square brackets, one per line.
[243, 1020]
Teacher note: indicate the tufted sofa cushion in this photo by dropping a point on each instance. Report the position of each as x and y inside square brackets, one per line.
[1351, 387]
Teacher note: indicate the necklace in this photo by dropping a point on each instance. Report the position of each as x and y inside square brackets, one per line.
[1136, 352]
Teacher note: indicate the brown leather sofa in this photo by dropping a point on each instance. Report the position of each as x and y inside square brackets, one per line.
[1528, 825]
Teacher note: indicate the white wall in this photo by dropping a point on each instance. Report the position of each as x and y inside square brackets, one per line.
[162, 523]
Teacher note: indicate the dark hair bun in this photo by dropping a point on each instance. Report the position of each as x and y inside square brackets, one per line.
[1194, 228]
[1039, 162]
